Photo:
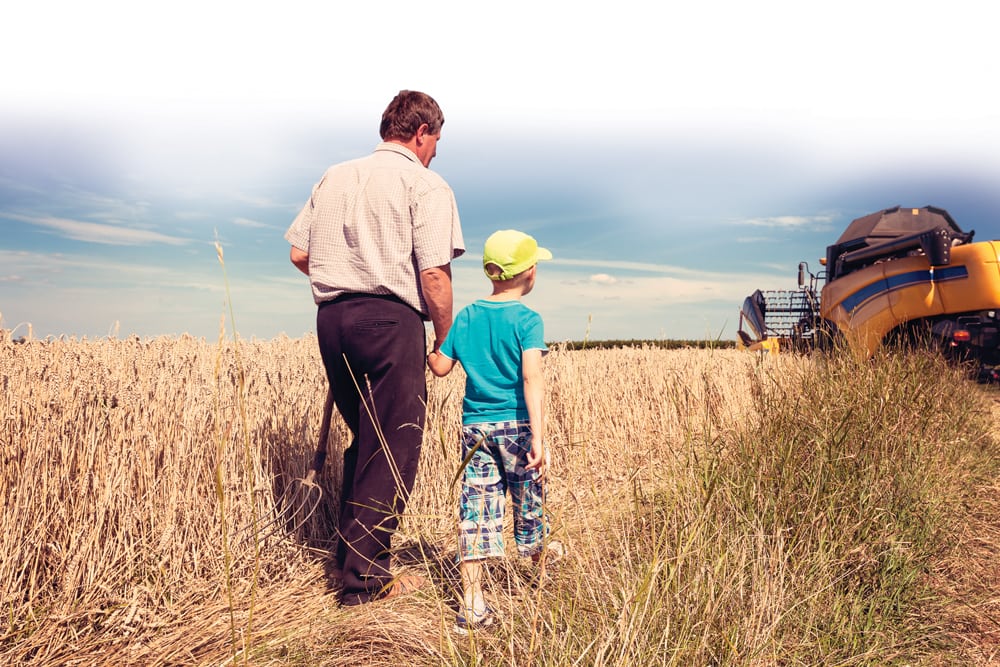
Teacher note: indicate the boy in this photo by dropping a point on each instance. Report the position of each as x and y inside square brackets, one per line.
[500, 343]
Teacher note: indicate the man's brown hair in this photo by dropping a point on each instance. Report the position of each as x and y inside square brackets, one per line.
[407, 112]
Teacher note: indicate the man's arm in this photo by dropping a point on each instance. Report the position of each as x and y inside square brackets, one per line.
[300, 258]
[435, 283]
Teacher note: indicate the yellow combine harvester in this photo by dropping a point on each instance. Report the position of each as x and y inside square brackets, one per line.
[899, 274]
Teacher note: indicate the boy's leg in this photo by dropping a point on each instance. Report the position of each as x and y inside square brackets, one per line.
[482, 502]
[472, 586]
[474, 613]
[480, 511]
[527, 495]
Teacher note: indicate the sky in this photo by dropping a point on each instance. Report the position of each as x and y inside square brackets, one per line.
[673, 159]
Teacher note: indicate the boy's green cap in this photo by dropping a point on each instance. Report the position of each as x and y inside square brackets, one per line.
[512, 251]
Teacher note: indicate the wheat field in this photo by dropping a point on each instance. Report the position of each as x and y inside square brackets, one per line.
[719, 507]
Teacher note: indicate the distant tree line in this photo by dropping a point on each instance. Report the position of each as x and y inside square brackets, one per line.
[658, 343]
[577, 345]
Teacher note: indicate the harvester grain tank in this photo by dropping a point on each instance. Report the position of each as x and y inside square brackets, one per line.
[900, 273]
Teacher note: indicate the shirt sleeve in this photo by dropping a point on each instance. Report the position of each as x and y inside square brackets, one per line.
[437, 231]
[298, 232]
[533, 332]
[447, 348]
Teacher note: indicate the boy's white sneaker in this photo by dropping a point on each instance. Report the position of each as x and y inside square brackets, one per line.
[469, 620]
[553, 551]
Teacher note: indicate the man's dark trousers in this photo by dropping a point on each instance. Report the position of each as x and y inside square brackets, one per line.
[376, 344]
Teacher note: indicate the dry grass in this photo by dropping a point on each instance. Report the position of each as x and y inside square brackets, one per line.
[965, 575]
[115, 551]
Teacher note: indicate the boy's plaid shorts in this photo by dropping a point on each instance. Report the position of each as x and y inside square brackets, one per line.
[496, 467]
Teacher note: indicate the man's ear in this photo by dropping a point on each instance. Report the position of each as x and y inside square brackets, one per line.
[422, 132]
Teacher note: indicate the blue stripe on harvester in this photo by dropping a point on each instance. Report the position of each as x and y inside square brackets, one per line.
[899, 281]
[950, 273]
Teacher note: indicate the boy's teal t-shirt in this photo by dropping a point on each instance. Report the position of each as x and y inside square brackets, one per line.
[487, 338]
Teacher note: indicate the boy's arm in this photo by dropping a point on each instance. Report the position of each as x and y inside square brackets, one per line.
[534, 398]
[439, 364]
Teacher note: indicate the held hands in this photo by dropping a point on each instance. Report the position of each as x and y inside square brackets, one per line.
[539, 458]
[439, 364]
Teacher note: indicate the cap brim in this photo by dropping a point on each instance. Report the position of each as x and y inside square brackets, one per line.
[543, 253]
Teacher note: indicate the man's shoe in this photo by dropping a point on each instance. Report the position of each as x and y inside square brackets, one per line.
[404, 584]
[469, 620]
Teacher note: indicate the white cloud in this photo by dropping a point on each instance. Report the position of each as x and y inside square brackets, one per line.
[258, 201]
[93, 232]
[791, 221]
[646, 306]
[46, 266]
[102, 208]
[625, 265]
[253, 224]
[671, 290]
[191, 215]
[17, 186]
[603, 279]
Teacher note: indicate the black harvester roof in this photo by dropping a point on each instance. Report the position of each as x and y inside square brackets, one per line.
[894, 232]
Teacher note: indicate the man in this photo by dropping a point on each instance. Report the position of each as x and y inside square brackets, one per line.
[376, 239]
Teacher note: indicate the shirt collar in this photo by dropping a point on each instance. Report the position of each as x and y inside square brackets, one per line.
[397, 148]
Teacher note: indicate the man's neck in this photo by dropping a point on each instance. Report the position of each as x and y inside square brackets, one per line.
[411, 144]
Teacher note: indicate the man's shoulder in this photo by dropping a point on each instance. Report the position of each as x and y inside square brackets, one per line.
[351, 164]
[436, 179]
[414, 173]
[386, 156]
[429, 180]
[382, 154]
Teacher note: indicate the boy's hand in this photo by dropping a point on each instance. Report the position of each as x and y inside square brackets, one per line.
[539, 459]
[439, 364]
